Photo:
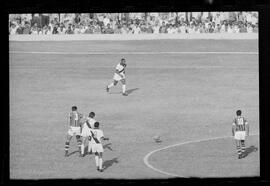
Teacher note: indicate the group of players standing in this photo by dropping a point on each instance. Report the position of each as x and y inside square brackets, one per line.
[86, 128]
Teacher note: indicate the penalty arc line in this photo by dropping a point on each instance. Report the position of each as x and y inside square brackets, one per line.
[146, 157]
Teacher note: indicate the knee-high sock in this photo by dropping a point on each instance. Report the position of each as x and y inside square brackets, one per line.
[100, 163]
[243, 146]
[238, 150]
[79, 141]
[66, 145]
[124, 88]
[97, 162]
[82, 148]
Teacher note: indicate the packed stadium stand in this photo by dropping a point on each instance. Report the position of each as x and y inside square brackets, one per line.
[134, 23]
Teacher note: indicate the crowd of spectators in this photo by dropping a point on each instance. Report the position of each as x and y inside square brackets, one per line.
[134, 23]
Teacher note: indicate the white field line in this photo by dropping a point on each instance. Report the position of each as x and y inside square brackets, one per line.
[132, 53]
[145, 159]
[151, 67]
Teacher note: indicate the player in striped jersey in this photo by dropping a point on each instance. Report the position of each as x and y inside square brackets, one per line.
[240, 129]
[75, 122]
[88, 124]
[119, 75]
[97, 148]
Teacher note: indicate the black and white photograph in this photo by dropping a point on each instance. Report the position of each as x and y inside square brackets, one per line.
[134, 95]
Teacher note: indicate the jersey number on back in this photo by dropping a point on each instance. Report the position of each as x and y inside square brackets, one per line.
[76, 117]
[240, 121]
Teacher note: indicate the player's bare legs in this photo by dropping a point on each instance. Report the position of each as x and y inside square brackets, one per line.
[114, 83]
[123, 81]
[89, 146]
[82, 146]
[79, 142]
[242, 148]
[99, 161]
[238, 146]
[67, 144]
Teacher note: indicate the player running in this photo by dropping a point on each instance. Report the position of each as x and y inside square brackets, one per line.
[119, 75]
[89, 123]
[97, 148]
[240, 129]
[75, 122]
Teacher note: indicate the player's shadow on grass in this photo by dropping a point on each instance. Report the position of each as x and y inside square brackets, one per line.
[108, 163]
[250, 150]
[129, 91]
[108, 146]
[73, 152]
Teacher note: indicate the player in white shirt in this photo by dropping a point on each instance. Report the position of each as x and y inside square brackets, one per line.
[119, 75]
[89, 123]
[97, 148]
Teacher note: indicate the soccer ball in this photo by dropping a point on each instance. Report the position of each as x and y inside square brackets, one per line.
[157, 138]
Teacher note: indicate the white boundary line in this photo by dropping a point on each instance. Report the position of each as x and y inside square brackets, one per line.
[146, 157]
[115, 53]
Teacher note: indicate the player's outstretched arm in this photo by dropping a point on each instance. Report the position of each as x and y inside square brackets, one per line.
[104, 138]
[247, 132]
[233, 130]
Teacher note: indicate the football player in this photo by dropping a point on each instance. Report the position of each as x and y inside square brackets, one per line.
[119, 75]
[89, 123]
[240, 129]
[75, 123]
[97, 148]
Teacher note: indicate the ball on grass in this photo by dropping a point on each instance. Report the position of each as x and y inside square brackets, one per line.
[157, 138]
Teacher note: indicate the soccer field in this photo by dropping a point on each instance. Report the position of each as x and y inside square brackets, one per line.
[187, 91]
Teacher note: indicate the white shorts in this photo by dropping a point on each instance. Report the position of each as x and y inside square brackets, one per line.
[74, 130]
[116, 77]
[85, 131]
[97, 148]
[240, 135]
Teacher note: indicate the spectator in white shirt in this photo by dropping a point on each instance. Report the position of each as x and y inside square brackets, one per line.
[106, 20]
[217, 19]
[49, 32]
[170, 30]
[197, 29]
[249, 28]
[254, 19]
[217, 28]
[124, 29]
[248, 17]
[230, 29]
[174, 29]
[77, 30]
[156, 29]
[183, 28]
[13, 29]
[191, 29]
[82, 28]
[236, 29]
[61, 30]
[136, 29]
[202, 28]
[223, 28]
[34, 29]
